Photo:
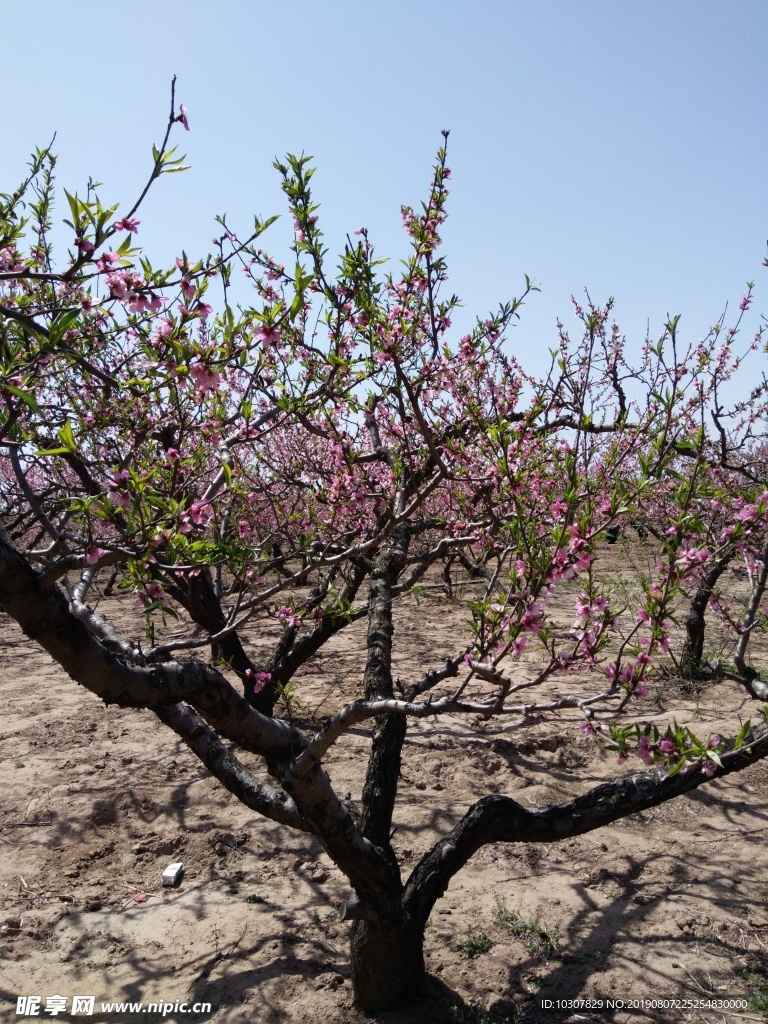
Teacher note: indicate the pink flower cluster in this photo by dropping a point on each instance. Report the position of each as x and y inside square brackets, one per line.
[204, 378]
[152, 592]
[198, 514]
[116, 488]
[130, 224]
[259, 679]
[287, 616]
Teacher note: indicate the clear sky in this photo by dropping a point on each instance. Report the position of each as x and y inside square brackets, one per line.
[618, 145]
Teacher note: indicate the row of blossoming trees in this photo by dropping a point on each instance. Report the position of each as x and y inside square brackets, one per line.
[312, 459]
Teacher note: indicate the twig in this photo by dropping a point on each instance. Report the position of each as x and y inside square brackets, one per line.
[696, 983]
[730, 832]
[27, 824]
[220, 954]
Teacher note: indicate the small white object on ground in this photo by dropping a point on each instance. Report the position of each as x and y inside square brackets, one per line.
[172, 874]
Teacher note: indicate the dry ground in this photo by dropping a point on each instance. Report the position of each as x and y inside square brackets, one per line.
[669, 904]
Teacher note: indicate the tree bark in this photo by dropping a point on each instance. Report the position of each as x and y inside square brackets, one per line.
[199, 598]
[387, 962]
[387, 946]
[749, 677]
[693, 648]
[380, 789]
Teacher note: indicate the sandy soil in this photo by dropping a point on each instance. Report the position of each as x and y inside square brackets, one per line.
[670, 904]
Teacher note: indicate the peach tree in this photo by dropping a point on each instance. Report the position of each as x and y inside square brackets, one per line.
[287, 466]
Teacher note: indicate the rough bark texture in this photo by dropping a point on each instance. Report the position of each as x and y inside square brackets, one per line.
[380, 789]
[693, 648]
[231, 773]
[386, 947]
[387, 963]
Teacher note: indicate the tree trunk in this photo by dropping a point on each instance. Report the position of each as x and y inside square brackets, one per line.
[387, 945]
[693, 648]
[749, 676]
[380, 788]
[387, 963]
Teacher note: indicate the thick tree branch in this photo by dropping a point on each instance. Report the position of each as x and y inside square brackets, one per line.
[496, 819]
[222, 763]
[45, 617]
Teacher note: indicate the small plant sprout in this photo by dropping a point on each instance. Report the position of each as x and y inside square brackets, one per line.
[540, 941]
[476, 944]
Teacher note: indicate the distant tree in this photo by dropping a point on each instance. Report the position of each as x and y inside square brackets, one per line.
[309, 461]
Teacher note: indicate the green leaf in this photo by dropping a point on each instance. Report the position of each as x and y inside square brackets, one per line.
[24, 396]
[742, 734]
[67, 438]
[54, 451]
[61, 324]
[75, 207]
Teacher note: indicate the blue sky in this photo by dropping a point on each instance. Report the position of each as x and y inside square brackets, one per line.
[619, 146]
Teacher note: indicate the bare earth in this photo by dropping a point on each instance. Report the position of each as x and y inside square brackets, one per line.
[97, 801]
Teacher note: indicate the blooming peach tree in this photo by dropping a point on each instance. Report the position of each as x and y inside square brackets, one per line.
[286, 467]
